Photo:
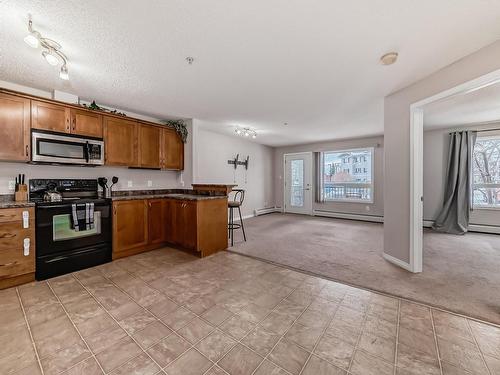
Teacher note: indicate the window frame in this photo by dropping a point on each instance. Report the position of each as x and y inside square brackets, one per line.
[474, 207]
[371, 149]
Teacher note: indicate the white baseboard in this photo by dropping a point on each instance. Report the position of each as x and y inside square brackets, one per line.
[341, 215]
[472, 227]
[397, 262]
[264, 211]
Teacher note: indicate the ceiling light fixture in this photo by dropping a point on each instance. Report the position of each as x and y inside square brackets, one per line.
[246, 132]
[51, 50]
[389, 58]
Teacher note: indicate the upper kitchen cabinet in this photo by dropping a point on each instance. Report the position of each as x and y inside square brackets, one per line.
[172, 150]
[14, 128]
[86, 123]
[149, 146]
[120, 142]
[48, 116]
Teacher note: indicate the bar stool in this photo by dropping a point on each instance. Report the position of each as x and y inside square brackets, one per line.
[236, 202]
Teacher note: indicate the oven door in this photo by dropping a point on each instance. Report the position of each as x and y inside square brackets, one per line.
[63, 149]
[54, 233]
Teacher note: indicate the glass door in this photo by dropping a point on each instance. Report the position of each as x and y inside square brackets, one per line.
[298, 183]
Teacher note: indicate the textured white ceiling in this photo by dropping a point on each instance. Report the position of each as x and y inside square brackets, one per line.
[479, 106]
[259, 63]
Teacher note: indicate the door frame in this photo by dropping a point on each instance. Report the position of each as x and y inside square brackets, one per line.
[313, 185]
[417, 155]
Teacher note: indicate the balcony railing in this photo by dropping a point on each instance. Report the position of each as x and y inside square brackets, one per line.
[347, 191]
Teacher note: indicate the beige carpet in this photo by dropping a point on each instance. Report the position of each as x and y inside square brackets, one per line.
[461, 273]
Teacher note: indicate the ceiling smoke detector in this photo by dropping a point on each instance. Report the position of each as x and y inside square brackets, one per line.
[389, 58]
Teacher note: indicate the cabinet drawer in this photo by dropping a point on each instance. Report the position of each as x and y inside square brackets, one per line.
[16, 214]
[13, 262]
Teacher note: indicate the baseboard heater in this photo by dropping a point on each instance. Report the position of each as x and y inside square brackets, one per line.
[472, 227]
[341, 215]
[265, 211]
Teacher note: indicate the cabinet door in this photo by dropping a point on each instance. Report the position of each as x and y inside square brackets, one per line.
[172, 150]
[14, 128]
[149, 146]
[120, 142]
[173, 210]
[130, 225]
[48, 116]
[156, 217]
[86, 123]
[188, 225]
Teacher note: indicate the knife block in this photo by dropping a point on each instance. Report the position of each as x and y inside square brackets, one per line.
[21, 194]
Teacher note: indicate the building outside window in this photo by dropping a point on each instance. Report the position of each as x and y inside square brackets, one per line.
[348, 175]
[486, 171]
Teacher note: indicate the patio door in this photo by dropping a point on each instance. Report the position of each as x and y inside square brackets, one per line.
[298, 183]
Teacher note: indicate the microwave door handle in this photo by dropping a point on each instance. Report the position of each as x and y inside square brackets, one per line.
[87, 151]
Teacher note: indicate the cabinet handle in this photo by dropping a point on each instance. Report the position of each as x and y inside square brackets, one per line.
[7, 264]
[114, 210]
[27, 150]
[67, 124]
[74, 123]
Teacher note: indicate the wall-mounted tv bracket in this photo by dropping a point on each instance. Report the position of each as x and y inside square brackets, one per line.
[235, 162]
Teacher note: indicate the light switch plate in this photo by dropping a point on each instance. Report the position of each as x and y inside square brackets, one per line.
[12, 185]
[150, 183]
[130, 184]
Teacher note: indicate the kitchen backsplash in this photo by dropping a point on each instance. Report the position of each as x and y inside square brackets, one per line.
[140, 179]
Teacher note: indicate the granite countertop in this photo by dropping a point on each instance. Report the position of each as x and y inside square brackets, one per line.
[180, 196]
[7, 201]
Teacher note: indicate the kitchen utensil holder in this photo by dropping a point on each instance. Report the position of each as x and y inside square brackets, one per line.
[21, 194]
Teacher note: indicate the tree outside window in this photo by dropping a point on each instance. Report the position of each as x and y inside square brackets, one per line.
[486, 172]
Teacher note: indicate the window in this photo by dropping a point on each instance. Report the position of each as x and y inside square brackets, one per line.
[486, 172]
[351, 182]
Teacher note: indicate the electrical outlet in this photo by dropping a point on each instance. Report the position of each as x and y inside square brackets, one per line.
[130, 183]
[150, 183]
[12, 185]
[367, 208]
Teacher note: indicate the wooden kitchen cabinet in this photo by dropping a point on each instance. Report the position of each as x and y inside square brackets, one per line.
[172, 150]
[157, 216]
[120, 142]
[50, 116]
[181, 223]
[16, 266]
[130, 227]
[86, 123]
[14, 128]
[149, 146]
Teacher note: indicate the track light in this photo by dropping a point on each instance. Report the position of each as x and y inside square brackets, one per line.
[246, 132]
[51, 50]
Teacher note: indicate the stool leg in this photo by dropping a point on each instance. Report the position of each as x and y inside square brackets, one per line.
[232, 227]
[242, 227]
[229, 225]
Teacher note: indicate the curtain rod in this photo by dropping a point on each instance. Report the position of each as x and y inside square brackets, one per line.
[477, 130]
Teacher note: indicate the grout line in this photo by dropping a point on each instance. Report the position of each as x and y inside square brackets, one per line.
[436, 342]
[29, 331]
[477, 346]
[77, 330]
[321, 337]
[397, 339]
[357, 342]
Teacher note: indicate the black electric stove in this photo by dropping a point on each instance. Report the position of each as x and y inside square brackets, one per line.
[59, 248]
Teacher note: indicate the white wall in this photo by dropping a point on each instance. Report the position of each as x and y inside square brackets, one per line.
[213, 150]
[139, 177]
[375, 209]
[435, 165]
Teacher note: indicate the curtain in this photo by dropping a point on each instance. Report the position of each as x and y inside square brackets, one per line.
[454, 216]
[318, 170]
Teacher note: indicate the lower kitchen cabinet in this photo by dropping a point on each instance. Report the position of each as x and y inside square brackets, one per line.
[195, 225]
[130, 227]
[17, 246]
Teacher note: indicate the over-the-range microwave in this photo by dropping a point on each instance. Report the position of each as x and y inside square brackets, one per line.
[56, 148]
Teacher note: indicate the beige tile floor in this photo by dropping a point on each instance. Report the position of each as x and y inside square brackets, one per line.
[166, 312]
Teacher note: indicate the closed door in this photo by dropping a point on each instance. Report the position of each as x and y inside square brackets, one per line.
[48, 116]
[86, 123]
[120, 142]
[130, 225]
[14, 128]
[172, 150]
[173, 221]
[298, 183]
[149, 146]
[189, 225]
[156, 217]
